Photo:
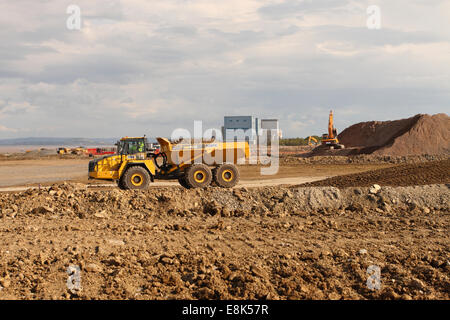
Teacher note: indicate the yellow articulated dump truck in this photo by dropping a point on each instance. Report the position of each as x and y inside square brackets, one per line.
[194, 165]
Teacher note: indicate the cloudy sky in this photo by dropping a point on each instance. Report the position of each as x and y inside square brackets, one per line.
[147, 66]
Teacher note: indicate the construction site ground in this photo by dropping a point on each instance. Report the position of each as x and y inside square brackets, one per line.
[14, 173]
[269, 241]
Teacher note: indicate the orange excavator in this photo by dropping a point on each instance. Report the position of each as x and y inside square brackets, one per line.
[330, 140]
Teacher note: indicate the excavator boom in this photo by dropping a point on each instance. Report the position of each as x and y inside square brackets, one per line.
[330, 126]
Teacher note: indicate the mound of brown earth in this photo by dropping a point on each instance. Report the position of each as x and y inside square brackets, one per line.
[433, 172]
[421, 134]
[79, 202]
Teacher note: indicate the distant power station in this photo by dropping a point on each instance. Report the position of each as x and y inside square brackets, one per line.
[249, 128]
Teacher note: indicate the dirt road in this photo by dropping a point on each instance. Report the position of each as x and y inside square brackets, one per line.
[24, 172]
[15, 173]
[174, 183]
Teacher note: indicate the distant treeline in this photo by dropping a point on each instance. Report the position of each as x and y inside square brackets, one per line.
[298, 141]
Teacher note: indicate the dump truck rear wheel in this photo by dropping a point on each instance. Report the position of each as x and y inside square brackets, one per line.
[136, 178]
[226, 175]
[198, 176]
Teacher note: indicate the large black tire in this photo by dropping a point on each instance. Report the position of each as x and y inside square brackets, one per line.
[136, 178]
[226, 175]
[213, 180]
[121, 183]
[198, 176]
[183, 183]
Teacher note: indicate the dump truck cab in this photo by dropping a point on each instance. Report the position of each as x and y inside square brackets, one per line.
[132, 166]
[132, 145]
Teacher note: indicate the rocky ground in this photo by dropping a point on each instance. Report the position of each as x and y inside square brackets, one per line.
[254, 243]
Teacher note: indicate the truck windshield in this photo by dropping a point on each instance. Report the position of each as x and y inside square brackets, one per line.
[131, 146]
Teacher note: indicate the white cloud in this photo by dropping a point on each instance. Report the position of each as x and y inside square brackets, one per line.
[5, 129]
[338, 48]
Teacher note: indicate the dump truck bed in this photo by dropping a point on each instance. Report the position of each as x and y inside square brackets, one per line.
[212, 153]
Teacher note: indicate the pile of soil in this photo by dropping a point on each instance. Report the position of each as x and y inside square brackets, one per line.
[421, 134]
[261, 243]
[79, 202]
[402, 175]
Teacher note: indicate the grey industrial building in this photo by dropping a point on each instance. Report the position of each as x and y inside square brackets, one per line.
[247, 128]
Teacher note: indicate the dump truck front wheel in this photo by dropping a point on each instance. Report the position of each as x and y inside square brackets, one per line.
[226, 175]
[198, 176]
[136, 178]
[183, 183]
[121, 184]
